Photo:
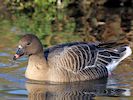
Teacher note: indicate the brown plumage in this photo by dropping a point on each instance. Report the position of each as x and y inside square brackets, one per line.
[76, 61]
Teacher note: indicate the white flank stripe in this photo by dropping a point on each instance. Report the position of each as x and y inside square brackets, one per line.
[114, 63]
[20, 47]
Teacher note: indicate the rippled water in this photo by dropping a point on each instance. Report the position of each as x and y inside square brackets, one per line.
[13, 85]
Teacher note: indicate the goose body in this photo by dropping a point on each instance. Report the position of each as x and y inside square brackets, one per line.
[76, 61]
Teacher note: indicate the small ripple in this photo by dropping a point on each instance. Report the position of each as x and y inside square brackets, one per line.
[6, 65]
[22, 69]
[4, 54]
[23, 59]
[117, 85]
[18, 92]
[12, 78]
[14, 94]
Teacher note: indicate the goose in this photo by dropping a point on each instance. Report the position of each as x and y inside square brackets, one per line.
[69, 62]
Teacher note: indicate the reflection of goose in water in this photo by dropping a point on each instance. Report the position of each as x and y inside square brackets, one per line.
[74, 91]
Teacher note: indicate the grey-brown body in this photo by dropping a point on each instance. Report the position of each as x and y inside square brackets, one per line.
[77, 61]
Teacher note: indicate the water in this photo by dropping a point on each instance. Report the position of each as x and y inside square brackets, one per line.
[14, 86]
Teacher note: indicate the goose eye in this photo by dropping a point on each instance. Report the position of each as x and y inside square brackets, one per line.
[28, 43]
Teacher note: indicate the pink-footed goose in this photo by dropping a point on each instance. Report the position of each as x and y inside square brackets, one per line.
[76, 61]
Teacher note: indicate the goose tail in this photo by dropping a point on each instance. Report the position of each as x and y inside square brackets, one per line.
[125, 51]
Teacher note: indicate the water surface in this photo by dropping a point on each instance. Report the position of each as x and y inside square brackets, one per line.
[14, 86]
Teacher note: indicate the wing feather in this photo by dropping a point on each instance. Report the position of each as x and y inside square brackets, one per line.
[77, 58]
[84, 59]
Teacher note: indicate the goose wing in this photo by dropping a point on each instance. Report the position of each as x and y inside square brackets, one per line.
[80, 57]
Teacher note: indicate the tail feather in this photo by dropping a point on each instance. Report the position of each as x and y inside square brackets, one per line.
[124, 51]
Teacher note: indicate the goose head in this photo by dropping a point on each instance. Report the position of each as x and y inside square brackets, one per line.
[28, 45]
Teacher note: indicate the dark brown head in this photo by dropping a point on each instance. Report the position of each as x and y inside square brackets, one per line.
[28, 45]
